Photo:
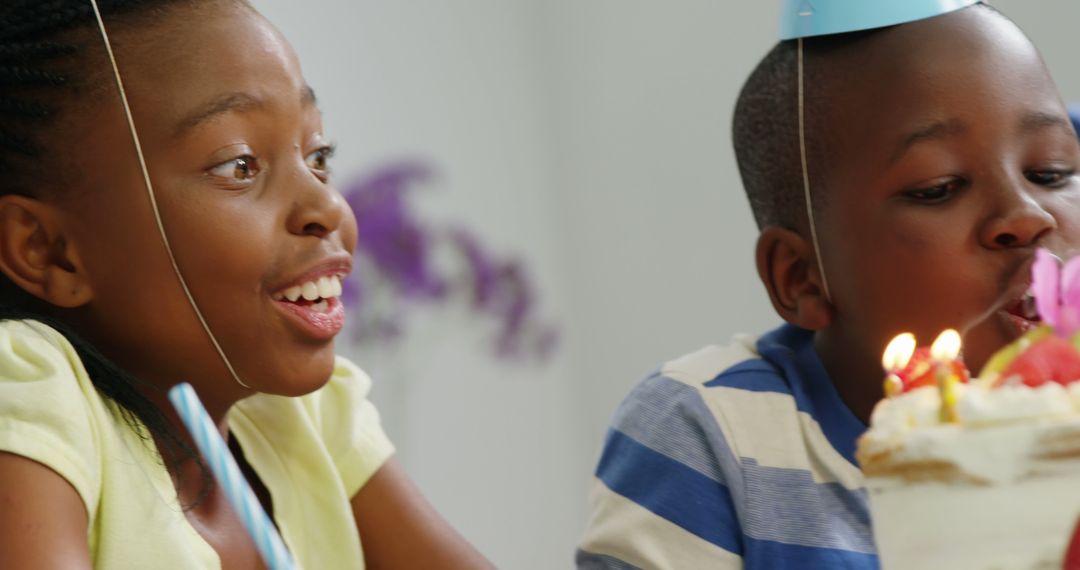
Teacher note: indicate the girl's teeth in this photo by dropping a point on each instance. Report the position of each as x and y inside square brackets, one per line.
[323, 288]
[326, 290]
[319, 307]
[310, 291]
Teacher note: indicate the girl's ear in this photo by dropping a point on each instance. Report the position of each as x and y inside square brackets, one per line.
[789, 270]
[35, 256]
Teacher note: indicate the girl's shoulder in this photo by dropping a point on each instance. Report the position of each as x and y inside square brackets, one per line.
[29, 348]
[39, 367]
[49, 409]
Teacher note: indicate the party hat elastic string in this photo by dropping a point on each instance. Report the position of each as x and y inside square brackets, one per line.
[153, 200]
[806, 178]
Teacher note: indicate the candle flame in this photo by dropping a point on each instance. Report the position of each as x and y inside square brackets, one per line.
[898, 352]
[946, 347]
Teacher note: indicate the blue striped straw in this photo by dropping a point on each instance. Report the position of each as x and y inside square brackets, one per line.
[224, 467]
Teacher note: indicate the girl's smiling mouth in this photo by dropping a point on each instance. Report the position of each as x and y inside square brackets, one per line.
[313, 303]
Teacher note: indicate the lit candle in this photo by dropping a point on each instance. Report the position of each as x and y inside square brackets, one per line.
[944, 351]
[896, 357]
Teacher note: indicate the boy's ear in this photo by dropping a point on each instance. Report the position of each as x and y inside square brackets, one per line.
[35, 256]
[788, 268]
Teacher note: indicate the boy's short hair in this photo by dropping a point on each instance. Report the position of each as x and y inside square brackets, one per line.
[765, 127]
[765, 136]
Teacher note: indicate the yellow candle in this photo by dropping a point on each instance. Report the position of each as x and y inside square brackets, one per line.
[944, 351]
[894, 386]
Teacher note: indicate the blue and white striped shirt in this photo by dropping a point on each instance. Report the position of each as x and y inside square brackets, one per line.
[730, 457]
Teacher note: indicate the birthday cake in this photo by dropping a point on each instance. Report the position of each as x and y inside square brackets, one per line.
[981, 473]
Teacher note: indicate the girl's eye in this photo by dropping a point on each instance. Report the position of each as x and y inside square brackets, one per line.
[318, 161]
[1049, 178]
[935, 194]
[241, 168]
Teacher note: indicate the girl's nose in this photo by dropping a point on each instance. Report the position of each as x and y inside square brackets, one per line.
[317, 209]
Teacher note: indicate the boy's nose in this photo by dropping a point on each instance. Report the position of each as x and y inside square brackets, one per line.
[317, 209]
[1020, 221]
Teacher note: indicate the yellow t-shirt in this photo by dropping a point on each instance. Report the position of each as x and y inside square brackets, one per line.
[313, 453]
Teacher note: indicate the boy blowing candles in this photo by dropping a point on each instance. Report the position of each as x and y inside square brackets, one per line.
[903, 160]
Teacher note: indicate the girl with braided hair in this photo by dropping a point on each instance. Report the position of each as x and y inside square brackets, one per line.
[166, 216]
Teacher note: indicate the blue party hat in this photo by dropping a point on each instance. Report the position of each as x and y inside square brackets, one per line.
[805, 18]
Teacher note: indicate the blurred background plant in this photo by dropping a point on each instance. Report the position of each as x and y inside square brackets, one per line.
[405, 263]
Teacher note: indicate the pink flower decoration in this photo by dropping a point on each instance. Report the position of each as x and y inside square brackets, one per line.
[1045, 285]
[1057, 292]
[1070, 297]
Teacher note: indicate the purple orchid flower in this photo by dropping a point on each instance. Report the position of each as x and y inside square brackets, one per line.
[503, 290]
[1057, 292]
[482, 267]
[399, 249]
[388, 233]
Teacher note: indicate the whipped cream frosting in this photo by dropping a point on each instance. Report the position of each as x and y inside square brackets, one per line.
[984, 443]
[996, 489]
[976, 406]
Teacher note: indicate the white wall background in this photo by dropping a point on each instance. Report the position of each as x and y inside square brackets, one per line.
[591, 136]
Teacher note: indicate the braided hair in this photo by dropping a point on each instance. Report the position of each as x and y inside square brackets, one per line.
[51, 59]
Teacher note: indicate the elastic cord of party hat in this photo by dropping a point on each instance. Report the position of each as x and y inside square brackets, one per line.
[153, 199]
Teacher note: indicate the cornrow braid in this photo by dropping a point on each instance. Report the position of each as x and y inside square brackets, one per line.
[27, 110]
[28, 77]
[27, 21]
[45, 65]
[25, 52]
[24, 71]
[39, 70]
[16, 144]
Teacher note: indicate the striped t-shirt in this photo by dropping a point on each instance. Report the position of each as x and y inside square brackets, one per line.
[729, 457]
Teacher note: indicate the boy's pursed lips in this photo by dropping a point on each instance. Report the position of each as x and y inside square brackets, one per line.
[1012, 301]
[1017, 302]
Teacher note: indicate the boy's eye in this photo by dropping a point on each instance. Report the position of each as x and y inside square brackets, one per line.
[318, 161]
[1049, 178]
[935, 194]
[241, 168]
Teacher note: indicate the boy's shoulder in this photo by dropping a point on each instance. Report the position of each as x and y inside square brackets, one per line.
[709, 440]
[761, 364]
[689, 398]
[710, 362]
[764, 398]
